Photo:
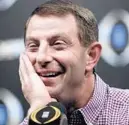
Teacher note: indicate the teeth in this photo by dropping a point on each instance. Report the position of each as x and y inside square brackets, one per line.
[49, 74]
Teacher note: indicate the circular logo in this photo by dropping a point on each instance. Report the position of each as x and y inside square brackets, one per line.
[11, 111]
[3, 114]
[113, 35]
[45, 115]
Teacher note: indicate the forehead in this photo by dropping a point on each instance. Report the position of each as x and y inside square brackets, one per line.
[39, 25]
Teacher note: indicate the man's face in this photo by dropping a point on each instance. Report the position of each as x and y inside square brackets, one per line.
[54, 50]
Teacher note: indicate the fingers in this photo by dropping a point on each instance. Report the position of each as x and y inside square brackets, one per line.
[21, 77]
[29, 77]
[26, 64]
[23, 74]
[33, 88]
[27, 71]
[23, 71]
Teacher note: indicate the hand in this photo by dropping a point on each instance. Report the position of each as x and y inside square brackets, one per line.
[33, 87]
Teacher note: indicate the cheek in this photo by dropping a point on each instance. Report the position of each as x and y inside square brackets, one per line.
[71, 62]
[77, 63]
[62, 57]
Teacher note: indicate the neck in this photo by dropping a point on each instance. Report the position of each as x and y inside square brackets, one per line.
[85, 91]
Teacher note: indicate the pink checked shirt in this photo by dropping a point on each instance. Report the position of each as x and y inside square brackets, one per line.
[108, 106]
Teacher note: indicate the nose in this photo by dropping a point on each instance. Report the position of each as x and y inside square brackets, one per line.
[43, 56]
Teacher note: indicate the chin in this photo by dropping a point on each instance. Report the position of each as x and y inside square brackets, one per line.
[55, 92]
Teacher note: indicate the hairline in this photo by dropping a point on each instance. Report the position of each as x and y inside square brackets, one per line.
[56, 15]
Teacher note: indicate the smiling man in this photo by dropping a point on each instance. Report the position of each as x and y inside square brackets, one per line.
[61, 51]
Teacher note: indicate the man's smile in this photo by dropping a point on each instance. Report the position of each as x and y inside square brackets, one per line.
[47, 73]
[50, 74]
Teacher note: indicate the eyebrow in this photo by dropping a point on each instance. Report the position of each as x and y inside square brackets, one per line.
[31, 39]
[53, 37]
[59, 35]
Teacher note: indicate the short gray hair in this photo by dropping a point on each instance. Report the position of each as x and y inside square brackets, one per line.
[86, 21]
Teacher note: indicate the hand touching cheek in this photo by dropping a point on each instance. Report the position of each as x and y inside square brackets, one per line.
[33, 87]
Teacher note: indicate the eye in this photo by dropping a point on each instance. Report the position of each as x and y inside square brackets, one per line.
[59, 45]
[58, 42]
[32, 46]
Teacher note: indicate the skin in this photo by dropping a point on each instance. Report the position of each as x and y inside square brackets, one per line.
[52, 46]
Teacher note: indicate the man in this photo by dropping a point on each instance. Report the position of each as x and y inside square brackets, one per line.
[61, 51]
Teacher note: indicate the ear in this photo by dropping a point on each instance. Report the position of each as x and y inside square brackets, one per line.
[93, 55]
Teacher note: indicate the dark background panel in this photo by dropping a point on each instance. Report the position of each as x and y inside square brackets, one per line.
[12, 23]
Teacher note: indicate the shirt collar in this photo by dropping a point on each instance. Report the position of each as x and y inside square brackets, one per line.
[96, 103]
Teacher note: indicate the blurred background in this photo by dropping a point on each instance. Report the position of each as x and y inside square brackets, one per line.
[113, 20]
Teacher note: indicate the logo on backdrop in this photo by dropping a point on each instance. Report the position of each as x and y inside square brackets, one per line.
[11, 111]
[113, 35]
[6, 4]
[7, 51]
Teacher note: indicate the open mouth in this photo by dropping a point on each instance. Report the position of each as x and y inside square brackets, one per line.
[53, 74]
